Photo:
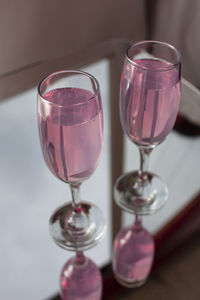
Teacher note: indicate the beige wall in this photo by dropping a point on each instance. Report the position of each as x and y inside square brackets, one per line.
[34, 31]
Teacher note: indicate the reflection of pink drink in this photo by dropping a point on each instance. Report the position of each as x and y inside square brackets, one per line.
[71, 132]
[80, 280]
[133, 255]
[149, 100]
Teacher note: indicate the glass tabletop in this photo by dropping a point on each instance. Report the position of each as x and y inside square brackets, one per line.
[175, 273]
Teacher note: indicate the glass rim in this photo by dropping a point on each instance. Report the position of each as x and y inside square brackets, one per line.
[80, 72]
[167, 68]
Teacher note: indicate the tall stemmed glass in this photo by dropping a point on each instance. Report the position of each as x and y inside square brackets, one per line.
[149, 102]
[70, 122]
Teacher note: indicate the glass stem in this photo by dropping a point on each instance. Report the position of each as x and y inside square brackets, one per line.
[138, 223]
[78, 222]
[144, 160]
[138, 219]
[75, 191]
[80, 258]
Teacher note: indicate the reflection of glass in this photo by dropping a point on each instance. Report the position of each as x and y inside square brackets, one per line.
[133, 255]
[149, 101]
[70, 121]
[80, 279]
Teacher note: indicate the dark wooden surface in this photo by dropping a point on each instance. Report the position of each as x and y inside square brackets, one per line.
[176, 270]
[178, 278]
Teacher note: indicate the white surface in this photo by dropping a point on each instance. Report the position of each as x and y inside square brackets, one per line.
[30, 262]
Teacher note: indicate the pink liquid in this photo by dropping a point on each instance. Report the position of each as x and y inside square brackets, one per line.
[71, 134]
[149, 101]
[80, 280]
[133, 255]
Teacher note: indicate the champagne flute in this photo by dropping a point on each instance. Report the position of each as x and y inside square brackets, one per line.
[70, 122]
[149, 102]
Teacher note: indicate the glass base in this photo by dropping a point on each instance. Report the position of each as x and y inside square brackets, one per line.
[77, 231]
[140, 196]
[127, 284]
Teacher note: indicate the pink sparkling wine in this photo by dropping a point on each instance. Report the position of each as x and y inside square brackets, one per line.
[71, 132]
[80, 280]
[133, 255]
[149, 100]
